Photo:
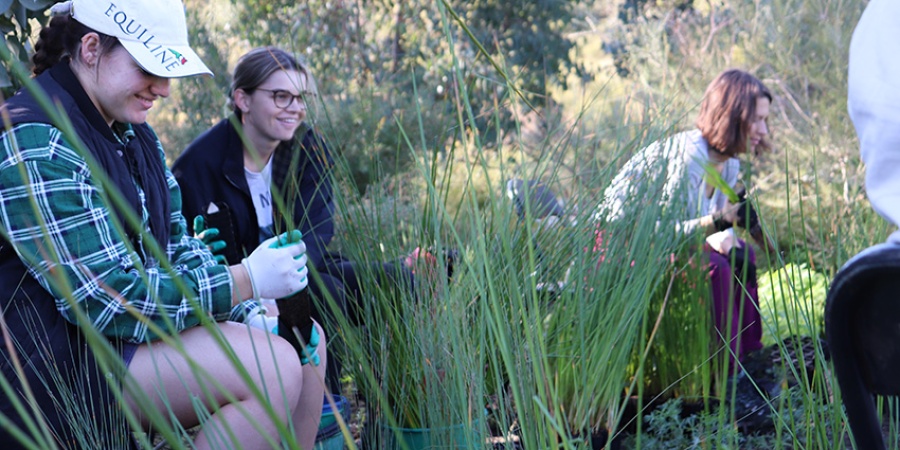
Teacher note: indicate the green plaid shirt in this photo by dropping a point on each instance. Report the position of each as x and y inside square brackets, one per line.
[82, 246]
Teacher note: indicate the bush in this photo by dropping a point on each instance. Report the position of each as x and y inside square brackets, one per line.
[792, 302]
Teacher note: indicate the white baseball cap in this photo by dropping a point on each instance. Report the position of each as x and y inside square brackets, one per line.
[154, 32]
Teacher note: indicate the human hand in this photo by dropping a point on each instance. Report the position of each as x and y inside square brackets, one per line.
[307, 347]
[263, 322]
[420, 257]
[208, 236]
[277, 268]
[429, 263]
[730, 213]
[255, 314]
[723, 241]
[311, 352]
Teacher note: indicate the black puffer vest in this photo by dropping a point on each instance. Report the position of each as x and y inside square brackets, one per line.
[47, 345]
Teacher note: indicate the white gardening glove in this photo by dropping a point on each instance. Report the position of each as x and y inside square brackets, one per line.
[253, 313]
[277, 268]
[264, 322]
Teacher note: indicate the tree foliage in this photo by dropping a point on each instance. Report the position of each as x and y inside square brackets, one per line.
[372, 57]
[17, 23]
[369, 41]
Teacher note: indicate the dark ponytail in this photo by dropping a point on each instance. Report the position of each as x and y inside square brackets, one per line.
[60, 38]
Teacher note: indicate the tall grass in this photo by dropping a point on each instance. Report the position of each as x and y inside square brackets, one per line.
[494, 349]
[560, 365]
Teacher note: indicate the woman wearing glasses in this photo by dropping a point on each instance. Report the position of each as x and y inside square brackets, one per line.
[235, 163]
[271, 175]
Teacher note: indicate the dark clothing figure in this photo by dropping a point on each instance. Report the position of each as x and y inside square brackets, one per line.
[47, 345]
[211, 170]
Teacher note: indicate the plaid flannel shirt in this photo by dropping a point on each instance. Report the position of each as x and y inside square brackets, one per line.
[62, 229]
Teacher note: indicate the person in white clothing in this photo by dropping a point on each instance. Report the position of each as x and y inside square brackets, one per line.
[873, 100]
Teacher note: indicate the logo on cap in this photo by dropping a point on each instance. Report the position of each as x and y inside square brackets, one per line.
[180, 57]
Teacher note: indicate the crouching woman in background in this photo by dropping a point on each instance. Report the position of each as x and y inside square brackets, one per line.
[732, 122]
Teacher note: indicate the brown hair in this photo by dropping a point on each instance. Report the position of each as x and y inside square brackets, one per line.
[728, 107]
[62, 37]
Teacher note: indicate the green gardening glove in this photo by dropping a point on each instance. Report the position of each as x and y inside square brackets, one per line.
[208, 236]
[311, 352]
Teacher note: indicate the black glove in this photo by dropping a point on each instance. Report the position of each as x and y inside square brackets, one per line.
[720, 224]
[746, 215]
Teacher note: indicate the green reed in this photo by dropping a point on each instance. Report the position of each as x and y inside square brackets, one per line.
[632, 318]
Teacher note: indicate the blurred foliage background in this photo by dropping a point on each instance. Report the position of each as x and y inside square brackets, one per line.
[580, 86]
[431, 106]
[553, 86]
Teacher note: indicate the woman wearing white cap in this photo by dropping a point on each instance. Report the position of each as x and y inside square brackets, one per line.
[69, 254]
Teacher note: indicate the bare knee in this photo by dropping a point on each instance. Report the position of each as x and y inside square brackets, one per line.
[270, 360]
[286, 369]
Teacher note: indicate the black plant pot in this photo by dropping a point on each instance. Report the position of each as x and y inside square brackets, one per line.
[600, 441]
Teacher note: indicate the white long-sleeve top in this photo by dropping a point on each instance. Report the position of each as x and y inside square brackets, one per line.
[874, 104]
[669, 171]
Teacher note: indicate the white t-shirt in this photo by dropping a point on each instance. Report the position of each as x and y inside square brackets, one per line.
[873, 100]
[260, 184]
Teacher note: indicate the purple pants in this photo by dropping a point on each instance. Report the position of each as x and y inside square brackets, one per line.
[735, 305]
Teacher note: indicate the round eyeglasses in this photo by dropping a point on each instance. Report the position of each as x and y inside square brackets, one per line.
[284, 99]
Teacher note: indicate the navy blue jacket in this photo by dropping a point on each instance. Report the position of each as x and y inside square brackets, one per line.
[211, 169]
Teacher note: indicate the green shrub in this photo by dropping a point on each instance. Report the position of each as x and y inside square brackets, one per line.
[792, 302]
